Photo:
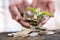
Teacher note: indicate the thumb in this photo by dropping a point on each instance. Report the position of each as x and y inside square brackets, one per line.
[18, 17]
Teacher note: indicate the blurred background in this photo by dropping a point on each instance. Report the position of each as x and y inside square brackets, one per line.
[7, 24]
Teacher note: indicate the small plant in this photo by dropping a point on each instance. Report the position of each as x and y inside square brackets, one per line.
[34, 16]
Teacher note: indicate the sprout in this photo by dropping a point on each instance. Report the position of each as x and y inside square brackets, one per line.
[38, 16]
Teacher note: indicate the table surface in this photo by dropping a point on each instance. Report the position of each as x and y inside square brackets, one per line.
[4, 36]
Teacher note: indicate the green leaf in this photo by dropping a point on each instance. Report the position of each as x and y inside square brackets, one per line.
[45, 13]
[36, 27]
[32, 9]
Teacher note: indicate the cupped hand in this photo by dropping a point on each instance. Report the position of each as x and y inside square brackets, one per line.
[14, 6]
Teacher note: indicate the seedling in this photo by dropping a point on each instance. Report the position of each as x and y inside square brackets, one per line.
[34, 16]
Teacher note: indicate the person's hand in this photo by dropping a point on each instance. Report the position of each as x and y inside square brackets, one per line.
[51, 9]
[44, 21]
[14, 7]
[47, 5]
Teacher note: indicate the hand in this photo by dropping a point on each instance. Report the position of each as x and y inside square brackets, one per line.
[47, 5]
[44, 21]
[14, 7]
[51, 9]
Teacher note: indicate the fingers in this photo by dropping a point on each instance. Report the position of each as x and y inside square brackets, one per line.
[17, 18]
[25, 24]
[14, 12]
[44, 21]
